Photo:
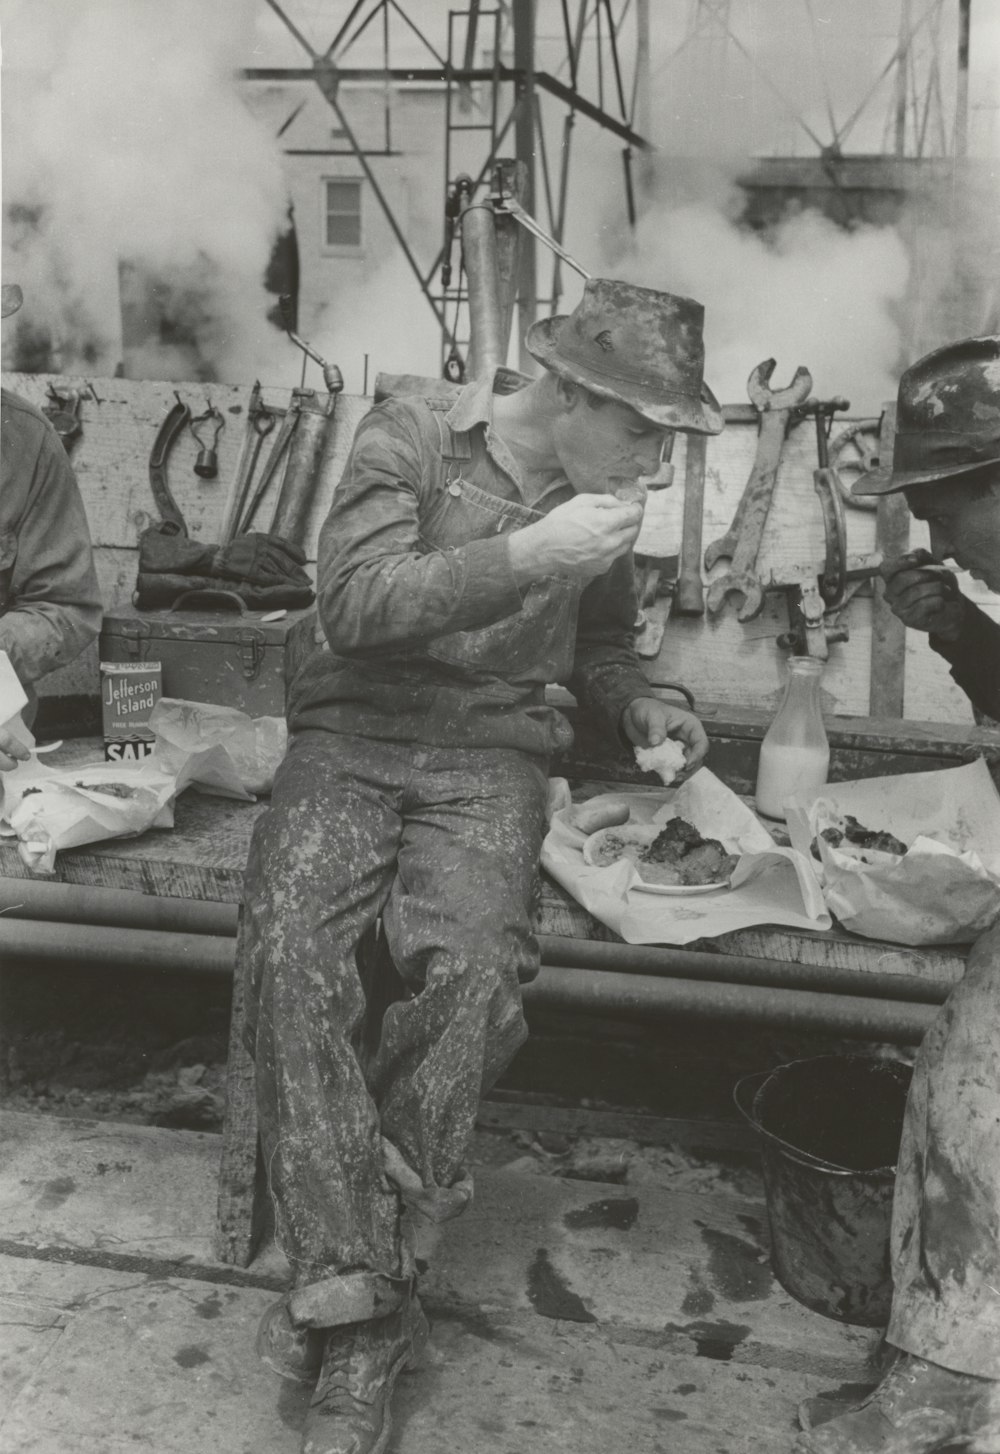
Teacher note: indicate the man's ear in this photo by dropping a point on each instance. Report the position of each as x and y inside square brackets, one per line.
[567, 394]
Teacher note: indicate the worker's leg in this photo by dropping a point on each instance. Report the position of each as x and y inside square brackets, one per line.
[946, 1211]
[944, 1391]
[458, 922]
[320, 866]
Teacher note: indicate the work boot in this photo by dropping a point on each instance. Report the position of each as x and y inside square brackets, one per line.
[350, 1410]
[918, 1408]
[290, 1351]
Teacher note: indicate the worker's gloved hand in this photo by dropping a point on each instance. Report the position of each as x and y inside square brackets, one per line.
[924, 594]
[261, 560]
[163, 551]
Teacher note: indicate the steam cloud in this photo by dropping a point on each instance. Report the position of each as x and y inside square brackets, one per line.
[126, 142]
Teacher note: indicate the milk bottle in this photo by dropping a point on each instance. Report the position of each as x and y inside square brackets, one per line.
[795, 753]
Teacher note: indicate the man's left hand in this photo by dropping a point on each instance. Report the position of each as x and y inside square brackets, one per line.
[648, 721]
[12, 751]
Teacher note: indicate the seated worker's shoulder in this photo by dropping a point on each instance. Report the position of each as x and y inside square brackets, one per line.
[23, 426]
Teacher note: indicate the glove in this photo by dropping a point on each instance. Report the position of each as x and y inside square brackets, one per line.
[261, 561]
[924, 595]
[159, 590]
[162, 551]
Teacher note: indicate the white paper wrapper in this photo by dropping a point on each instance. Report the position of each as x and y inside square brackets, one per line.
[49, 808]
[771, 885]
[221, 749]
[945, 889]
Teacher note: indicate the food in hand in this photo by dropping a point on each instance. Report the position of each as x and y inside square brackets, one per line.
[666, 760]
[870, 845]
[674, 855]
[591, 817]
[630, 492]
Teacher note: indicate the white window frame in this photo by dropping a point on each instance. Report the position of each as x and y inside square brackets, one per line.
[333, 249]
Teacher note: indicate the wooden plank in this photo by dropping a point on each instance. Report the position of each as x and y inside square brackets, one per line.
[888, 650]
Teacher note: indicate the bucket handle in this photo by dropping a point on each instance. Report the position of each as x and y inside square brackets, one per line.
[804, 1158]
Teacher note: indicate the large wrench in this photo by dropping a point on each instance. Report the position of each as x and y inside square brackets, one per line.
[744, 535]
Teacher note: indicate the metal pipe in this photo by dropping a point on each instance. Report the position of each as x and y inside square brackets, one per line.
[637, 959]
[488, 347]
[623, 996]
[634, 997]
[95, 946]
[116, 908]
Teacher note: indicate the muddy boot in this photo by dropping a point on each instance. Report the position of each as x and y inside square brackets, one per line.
[918, 1408]
[290, 1351]
[350, 1410]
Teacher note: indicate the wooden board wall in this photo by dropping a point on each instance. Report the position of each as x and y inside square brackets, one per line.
[721, 660]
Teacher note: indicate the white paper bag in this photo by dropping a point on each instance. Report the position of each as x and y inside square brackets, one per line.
[945, 889]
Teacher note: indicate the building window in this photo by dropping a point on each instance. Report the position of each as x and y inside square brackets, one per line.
[342, 212]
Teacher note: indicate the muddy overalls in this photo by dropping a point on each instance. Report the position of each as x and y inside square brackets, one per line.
[414, 792]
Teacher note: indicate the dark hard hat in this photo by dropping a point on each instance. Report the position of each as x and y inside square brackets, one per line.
[635, 345]
[11, 299]
[947, 418]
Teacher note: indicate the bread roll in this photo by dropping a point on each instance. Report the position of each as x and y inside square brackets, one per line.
[666, 760]
[590, 817]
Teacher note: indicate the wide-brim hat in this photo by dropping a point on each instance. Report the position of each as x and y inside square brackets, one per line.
[947, 418]
[11, 299]
[636, 345]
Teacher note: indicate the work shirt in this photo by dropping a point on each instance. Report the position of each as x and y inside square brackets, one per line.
[975, 659]
[50, 605]
[428, 636]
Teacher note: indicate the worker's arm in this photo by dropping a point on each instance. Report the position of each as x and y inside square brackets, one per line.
[973, 653]
[382, 584]
[49, 598]
[379, 584]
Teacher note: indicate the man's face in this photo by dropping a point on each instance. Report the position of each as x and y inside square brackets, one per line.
[600, 448]
[964, 523]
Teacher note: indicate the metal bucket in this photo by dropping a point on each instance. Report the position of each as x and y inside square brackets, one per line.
[830, 1129]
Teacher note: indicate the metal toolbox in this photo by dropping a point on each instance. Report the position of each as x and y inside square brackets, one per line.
[234, 659]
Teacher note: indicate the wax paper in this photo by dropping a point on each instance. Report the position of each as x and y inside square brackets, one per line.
[945, 889]
[221, 749]
[770, 885]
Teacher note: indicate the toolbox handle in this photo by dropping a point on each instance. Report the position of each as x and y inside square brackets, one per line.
[209, 598]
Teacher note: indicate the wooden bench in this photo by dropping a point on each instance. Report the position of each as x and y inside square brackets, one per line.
[831, 980]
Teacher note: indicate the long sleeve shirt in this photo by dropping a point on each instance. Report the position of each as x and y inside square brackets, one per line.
[428, 636]
[975, 659]
[50, 605]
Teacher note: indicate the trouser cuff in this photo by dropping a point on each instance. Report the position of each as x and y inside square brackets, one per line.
[350, 1297]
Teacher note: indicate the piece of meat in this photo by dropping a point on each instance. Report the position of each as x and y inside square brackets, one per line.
[695, 859]
[862, 837]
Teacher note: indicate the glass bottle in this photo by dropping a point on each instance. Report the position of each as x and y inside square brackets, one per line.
[795, 753]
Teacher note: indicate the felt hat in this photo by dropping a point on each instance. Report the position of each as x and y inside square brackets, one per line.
[636, 345]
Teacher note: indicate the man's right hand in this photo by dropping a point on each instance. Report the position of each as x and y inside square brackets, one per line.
[12, 751]
[581, 538]
[924, 594]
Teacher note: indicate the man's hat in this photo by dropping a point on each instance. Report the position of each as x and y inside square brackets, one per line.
[947, 418]
[635, 345]
[11, 299]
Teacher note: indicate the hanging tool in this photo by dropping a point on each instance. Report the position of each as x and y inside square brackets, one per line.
[288, 426]
[775, 409]
[166, 437]
[63, 413]
[689, 597]
[855, 453]
[206, 466]
[260, 421]
[333, 379]
[655, 575]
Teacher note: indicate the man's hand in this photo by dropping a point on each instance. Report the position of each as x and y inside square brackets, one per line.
[580, 539]
[12, 751]
[924, 594]
[647, 721]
